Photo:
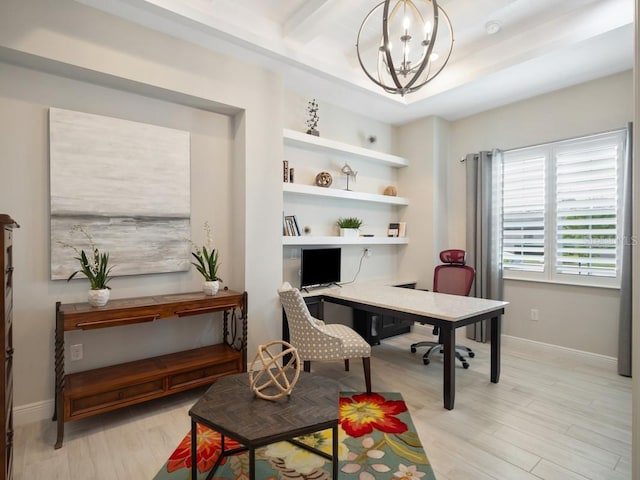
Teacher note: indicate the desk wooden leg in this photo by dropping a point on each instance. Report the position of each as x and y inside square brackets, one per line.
[495, 348]
[448, 337]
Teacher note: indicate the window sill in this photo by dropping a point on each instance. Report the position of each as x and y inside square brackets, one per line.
[557, 282]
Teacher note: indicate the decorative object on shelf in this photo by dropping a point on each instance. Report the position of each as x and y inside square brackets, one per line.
[207, 263]
[285, 171]
[324, 179]
[273, 381]
[371, 139]
[348, 171]
[97, 269]
[393, 230]
[390, 191]
[312, 121]
[408, 66]
[307, 230]
[349, 226]
[291, 175]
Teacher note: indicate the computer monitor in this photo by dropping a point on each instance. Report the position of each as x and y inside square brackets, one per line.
[320, 266]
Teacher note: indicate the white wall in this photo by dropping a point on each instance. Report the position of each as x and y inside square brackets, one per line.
[425, 143]
[234, 112]
[581, 318]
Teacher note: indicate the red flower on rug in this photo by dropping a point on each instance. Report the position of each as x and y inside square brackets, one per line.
[209, 448]
[362, 413]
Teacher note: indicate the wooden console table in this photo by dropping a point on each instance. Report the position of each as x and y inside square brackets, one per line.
[83, 394]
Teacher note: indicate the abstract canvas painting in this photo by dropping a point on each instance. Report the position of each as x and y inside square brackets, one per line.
[127, 184]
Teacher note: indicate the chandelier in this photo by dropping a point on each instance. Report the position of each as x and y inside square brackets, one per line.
[413, 47]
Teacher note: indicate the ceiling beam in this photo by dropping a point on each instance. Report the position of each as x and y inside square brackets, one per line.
[310, 20]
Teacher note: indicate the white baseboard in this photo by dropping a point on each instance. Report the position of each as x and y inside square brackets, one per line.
[515, 340]
[33, 412]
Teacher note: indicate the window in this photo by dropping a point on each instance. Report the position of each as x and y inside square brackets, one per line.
[561, 206]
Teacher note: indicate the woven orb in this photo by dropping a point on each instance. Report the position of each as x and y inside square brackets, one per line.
[273, 380]
[324, 179]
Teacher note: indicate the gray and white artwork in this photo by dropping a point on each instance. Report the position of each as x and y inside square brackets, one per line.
[127, 184]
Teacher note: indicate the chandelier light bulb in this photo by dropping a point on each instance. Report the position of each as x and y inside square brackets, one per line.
[427, 30]
[406, 23]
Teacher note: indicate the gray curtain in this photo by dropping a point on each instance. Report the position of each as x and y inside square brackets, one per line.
[624, 329]
[484, 229]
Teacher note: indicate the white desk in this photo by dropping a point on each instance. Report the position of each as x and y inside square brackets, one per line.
[448, 312]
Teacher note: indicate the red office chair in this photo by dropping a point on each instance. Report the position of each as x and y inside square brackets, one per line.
[455, 278]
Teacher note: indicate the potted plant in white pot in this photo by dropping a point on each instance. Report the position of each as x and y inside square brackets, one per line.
[349, 226]
[207, 263]
[96, 268]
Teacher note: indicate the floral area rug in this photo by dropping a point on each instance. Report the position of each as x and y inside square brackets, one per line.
[377, 440]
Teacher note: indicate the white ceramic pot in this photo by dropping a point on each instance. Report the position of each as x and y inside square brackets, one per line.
[349, 232]
[211, 288]
[99, 298]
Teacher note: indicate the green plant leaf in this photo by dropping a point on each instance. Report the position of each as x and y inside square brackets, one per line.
[402, 450]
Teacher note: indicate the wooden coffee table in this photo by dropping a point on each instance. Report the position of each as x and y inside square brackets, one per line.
[230, 408]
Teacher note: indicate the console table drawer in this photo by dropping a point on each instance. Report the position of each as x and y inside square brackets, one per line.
[104, 401]
[203, 376]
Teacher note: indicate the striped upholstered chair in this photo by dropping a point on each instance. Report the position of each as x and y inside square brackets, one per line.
[317, 341]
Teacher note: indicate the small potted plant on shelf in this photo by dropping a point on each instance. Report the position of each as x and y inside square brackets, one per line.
[349, 226]
[207, 263]
[95, 267]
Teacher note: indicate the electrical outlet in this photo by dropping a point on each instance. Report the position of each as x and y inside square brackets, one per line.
[535, 314]
[367, 252]
[76, 352]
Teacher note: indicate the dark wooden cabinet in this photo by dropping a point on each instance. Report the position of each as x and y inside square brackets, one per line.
[6, 332]
[374, 327]
[83, 394]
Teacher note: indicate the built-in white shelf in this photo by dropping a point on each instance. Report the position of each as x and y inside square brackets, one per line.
[311, 142]
[328, 240]
[301, 189]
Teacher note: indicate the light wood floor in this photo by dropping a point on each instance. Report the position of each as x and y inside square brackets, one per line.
[554, 415]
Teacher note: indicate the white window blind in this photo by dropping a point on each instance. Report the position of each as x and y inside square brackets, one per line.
[524, 211]
[561, 210]
[587, 208]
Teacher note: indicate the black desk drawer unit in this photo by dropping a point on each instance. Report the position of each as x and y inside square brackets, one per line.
[374, 327]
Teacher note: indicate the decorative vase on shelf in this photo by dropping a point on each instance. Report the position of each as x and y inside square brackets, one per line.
[349, 232]
[99, 298]
[211, 288]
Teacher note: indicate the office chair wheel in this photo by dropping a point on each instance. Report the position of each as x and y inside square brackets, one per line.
[465, 365]
[471, 354]
[426, 361]
[413, 349]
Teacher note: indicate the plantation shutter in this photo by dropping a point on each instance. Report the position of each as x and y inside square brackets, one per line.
[586, 207]
[524, 210]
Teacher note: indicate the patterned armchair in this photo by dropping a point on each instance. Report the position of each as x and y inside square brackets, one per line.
[317, 341]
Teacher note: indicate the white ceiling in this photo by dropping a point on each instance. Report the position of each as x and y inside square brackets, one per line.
[543, 45]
